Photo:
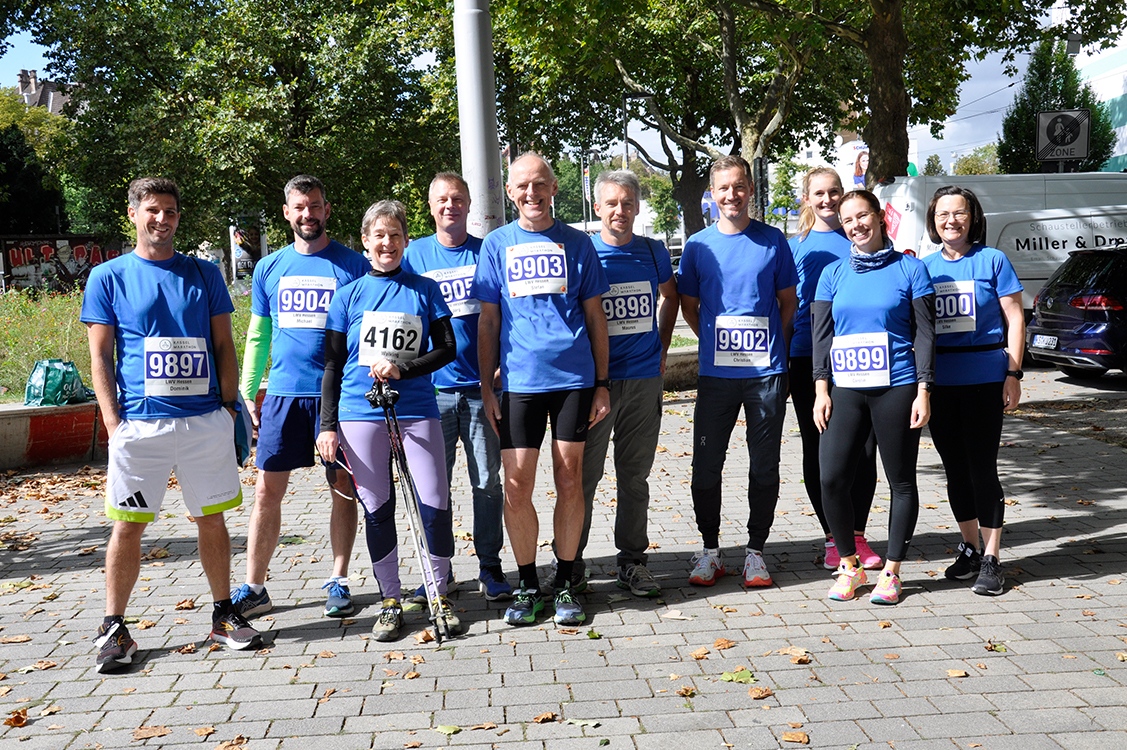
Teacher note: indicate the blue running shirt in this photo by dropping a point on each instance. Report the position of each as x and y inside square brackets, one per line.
[811, 256]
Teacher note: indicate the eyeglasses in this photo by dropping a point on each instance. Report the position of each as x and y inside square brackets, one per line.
[956, 215]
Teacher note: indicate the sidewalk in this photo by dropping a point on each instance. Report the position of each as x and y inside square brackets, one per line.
[641, 673]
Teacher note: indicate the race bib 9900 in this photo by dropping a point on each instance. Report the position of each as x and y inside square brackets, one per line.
[860, 360]
[176, 366]
[303, 301]
[742, 341]
[536, 268]
[456, 285]
[396, 337]
[955, 311]
[629, 308]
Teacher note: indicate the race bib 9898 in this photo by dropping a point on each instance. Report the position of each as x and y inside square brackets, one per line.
[629, 308]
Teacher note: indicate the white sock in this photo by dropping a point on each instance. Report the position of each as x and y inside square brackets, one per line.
[257, 588]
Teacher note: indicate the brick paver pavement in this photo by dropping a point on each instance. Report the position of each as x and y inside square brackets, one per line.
[631, 677]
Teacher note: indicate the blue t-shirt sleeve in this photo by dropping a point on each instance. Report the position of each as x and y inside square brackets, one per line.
[687, 281]
[592, 278]
[786, 274]
[921, 280]
[337, 318]
[219, 300]
[487, 281]
[259, 302]
[1005, 279]
[827, 282]
[96, 304]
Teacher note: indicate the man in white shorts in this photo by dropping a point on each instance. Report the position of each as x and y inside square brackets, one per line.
[168, 399]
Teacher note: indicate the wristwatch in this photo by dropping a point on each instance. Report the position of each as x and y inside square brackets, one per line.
[235, 406]
[1019, 374]
[603, 384]
[927, 386]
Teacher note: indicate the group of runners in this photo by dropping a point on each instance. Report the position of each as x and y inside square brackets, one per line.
[489, 341]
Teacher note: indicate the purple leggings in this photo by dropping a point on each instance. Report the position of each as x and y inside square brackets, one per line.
[368, 452]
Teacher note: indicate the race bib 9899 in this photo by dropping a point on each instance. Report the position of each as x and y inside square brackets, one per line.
[860, 360]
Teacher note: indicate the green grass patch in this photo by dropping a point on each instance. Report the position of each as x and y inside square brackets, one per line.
[680, 341]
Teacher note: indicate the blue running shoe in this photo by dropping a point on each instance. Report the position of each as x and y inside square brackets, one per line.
[420, 596]
[568, 609]
[492, 584]
[527, 604]
[339, 602]
[248, 604]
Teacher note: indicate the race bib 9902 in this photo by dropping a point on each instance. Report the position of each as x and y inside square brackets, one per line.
[742, 341]
[955, 311]
[629, 308]
[456, 285]
[396, 337]
[176, 366]
[303, 301]
[860, 360]
[536, 268]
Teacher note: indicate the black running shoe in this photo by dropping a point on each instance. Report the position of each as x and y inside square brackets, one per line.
[966, 565]
[233, 631]
[116, 646]
[990, 581]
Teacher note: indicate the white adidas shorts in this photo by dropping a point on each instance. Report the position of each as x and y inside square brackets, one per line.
[200, 450]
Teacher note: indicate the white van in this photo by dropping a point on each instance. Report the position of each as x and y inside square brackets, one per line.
[1035, 219]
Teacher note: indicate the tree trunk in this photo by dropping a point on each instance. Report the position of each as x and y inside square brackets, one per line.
[688, 190]
[886, 133]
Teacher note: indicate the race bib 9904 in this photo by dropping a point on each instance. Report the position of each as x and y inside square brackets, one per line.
[742, 341]
[629, 308]
[396, 337]
[176, 366]
[456, 285]
[860, 360]
[955, 311]
[303, 301]
[536, 268]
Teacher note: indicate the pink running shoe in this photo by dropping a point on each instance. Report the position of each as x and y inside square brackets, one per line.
[832, 559]
[887, 590]
[848, 581]
[868, 559]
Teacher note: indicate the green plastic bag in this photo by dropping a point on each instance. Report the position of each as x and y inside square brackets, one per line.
[54, 382]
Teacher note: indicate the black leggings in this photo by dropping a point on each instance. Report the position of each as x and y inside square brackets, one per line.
[887, 412]
[966, 425]
[865, 480]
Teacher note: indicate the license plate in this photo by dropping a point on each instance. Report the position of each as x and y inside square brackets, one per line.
[1045, 342]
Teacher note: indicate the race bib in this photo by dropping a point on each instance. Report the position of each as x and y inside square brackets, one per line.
[860, 360]
[629, 308]
[456, 285]
[303, 301]
[955, 310]
[536, 268]
[396, 337]
[742, 341]
[176, 367]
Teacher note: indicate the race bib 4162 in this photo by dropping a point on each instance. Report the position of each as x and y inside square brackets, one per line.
[396, 337]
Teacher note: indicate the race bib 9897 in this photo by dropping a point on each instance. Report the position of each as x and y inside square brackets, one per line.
[176, 366]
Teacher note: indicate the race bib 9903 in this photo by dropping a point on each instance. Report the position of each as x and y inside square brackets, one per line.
[742, 341]
[860, 360]
[536, 268]
[303, 301]
[629, 308]
[955, 311]
[396, 337]
[176, 366]
[456, 285]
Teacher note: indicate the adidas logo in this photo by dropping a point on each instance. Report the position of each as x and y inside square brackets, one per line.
[136, 500]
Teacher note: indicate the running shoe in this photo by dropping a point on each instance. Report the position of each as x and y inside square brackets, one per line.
[527, 604]
[420, 595]
[389, 622]
[444, 613]
[832, 559]
[339, 602]
[568, 609]
[755, 570]
[579, 574]
[967, 563]
[887, 590]
[492, 584]
[848, 581]
[990, 580]
[249, 603]
[233, 631]
[638, 580]
[868, 559]
[706, 568]
[116, 647]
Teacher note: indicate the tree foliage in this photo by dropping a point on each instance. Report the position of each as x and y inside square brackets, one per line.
[983, 160]
[27, 205]
[934, 166]
[784, 192]
[1052, 83]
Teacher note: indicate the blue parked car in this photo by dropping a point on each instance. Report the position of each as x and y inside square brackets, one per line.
[1079, 318]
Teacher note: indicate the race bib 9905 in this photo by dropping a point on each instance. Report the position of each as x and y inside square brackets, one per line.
[536, 268]
[176, 366]
[396, 337]
[742, 341]
[860, 360]
[456, 285]
[303, 301]
[955, 311]
[629, 308]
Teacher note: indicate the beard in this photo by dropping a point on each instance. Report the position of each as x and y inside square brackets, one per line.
[308, 233]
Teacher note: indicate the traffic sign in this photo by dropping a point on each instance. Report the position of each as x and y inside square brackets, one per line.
[1063, 135]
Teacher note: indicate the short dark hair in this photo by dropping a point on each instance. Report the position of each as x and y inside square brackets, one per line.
[976, 234]
[142, 187]
[732, 161]
[304, 184]
[451, 177]
[874, 203]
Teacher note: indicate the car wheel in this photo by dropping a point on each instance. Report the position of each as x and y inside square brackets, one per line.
[1082, 373]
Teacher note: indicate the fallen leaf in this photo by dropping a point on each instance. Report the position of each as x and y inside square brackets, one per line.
[328, 692]
[394, 656]
[204, 731]
[740, 675]
[892, 656]
[568, 631]
[759, 693]
[594, 635]
[956, 673]
[50, 710]
[799, 738]
[55, 726]
[213, 647]
[583, 722]
[794, 724]
[723, 644]
[729, 609]
[804, 659]
[448, 730]
[1088, 613]
[189, 648]
[264, 651]
[980, 666]
[145, 733]
[239, 741]
[15, 638]
[4, 691]
[417, 659]
[992, 646]
[1121, 656]
[675, 614]
[390, 672]
[412, 675]
[793, 651]
[145, 624]
[424, 637]
[884, 624]
[186, 604]
[416, 743]
[486, 725]
[686, 691]
[700, 653]
[1067, 656]
[326, 655]
[544, 718]
[180, 621]
[17, 719]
